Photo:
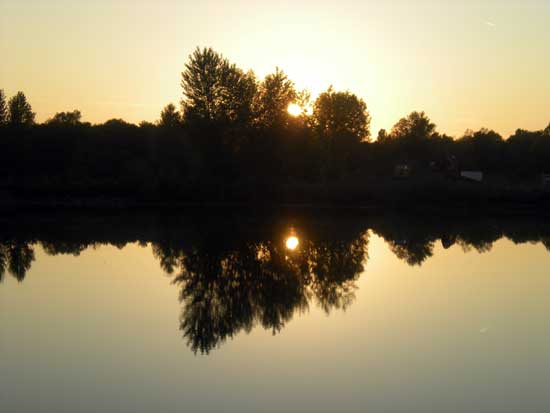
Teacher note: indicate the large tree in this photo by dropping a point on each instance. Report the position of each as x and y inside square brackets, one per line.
[20, 111]
[341, 115]
[216, 90]
[3, 108]
[274, 96]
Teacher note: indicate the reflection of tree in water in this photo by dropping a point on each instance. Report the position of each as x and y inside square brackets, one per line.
[413, 239]
[479, 237]
[413, 251]
[15, 257]
[228, 286]
[64, 247]
[410, 242]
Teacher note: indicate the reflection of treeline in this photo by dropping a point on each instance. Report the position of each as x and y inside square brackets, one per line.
[234, 269]
[234, 139]
[233, 272]
[411, 237]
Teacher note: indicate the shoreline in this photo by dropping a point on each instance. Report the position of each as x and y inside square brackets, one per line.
[466, 207]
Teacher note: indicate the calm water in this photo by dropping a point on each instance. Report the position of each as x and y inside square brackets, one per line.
[279, 312]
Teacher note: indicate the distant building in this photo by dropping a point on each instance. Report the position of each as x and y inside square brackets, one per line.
[472, 175]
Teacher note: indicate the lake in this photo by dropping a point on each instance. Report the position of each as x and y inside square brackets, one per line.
[279, 311]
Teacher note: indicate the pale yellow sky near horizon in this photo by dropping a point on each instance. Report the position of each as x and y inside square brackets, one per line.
[469, 65]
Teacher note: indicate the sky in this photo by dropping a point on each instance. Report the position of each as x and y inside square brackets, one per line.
[467, 64]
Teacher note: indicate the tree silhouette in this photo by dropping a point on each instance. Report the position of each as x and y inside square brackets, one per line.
[341, 115]
[170, 117]
[20, 111]
[481, 149]
[3, 108]
[382, 136]
[417, 126]
[65, 118]
[236, 142]
[414, 138]
[216, 90]
[275, 93]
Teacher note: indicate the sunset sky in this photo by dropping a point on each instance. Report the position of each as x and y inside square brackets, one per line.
[467, 64]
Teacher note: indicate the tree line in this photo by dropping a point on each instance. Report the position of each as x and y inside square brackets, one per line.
[237, 137]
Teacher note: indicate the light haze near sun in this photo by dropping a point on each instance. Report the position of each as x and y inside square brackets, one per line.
[467, 64]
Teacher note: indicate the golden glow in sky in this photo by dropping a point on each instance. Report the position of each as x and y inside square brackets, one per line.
[467, 64]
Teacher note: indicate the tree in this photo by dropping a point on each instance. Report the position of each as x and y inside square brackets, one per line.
[341, 114]
[546, 132]
[484, 136]
[65, 118]
[20, 111]
[170, 117]
[482, 149]
[275, 94]
[382, 135]
[3, 108]
[146, 124]
[416, 126]
[215, 90]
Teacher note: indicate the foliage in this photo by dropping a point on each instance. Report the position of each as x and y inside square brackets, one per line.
[339, 115]
[216, 90]
[65, 118]
[3, 108]
[20, 111]
[275, 93]
[170, 117]
[235, 140]
[417, 126]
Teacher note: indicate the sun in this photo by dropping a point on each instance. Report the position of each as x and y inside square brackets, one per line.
[292, 243]
[294, 109]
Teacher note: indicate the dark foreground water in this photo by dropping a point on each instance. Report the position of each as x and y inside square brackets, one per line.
[277, 312]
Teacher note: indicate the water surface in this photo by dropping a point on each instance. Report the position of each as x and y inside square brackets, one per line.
[241, 312]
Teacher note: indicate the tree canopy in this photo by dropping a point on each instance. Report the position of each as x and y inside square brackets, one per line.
[416, 126]
[275, 93]
[20, 111]
[341, 114]
[170, 117]
[65, 118]
[216, 90]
